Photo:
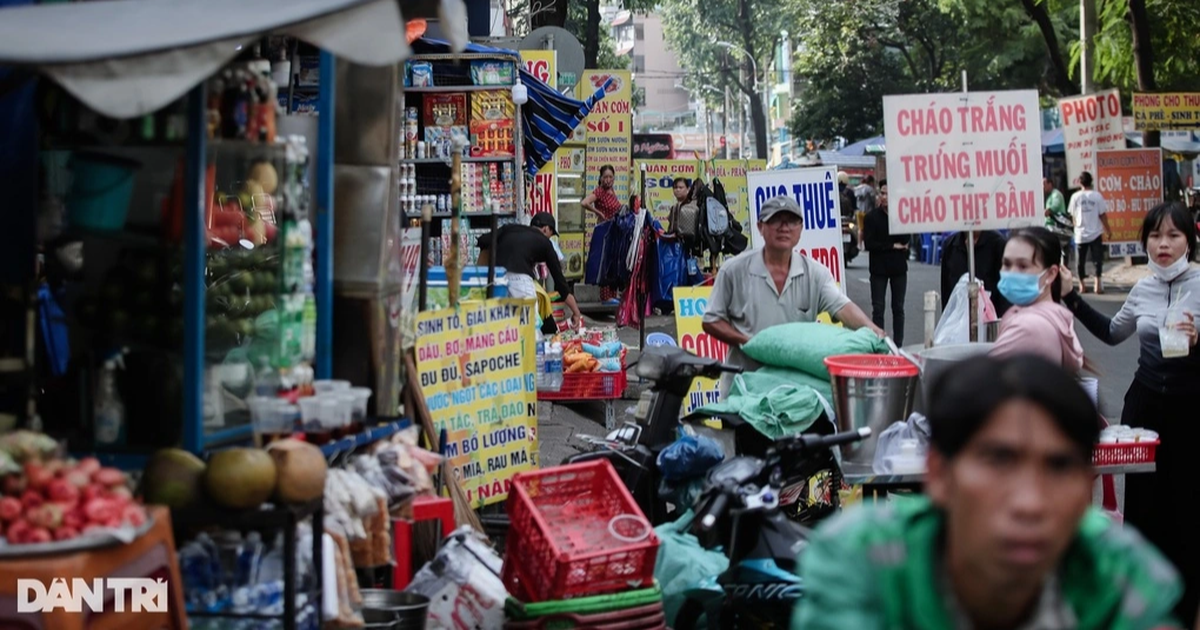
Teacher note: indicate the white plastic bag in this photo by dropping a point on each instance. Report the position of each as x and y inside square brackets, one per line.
[463, 584]
[895, 440]
[954, 326]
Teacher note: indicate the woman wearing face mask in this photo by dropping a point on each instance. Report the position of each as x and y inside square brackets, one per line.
[1162, 397]
[1037, 323]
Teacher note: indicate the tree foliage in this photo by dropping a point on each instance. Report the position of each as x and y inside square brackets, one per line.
[1176, 49]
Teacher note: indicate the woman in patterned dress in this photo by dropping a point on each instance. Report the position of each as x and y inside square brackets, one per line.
[603, 202]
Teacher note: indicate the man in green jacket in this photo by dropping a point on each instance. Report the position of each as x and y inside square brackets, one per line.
[1005, 537]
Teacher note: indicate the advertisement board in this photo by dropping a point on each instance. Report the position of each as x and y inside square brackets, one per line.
[815, 189]
[609, 128]
[543, 193]
[660, 175]
[1173, 110]
[571, 244]
[1131, 181]
[957, 161]
[476, 365]
[1090, 123]
[732, 174]
[690, 303]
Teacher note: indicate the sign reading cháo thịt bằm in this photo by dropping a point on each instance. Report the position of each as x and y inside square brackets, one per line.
[476, 368]
[960, 161]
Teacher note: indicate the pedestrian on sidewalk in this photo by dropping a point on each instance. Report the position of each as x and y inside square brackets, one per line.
[603, 203]
[989, 254]
[1037, 323]
[888, 265]
[1058, 219]
[1162, 396]
[1089, 211]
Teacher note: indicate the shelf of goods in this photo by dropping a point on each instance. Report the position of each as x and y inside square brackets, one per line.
[593, 365]
[463, 104]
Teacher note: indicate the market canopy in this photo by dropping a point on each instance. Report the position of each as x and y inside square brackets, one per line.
[547, 119]
[127, 58]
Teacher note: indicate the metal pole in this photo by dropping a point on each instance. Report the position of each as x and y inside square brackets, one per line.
[972, 285]
[931, 307]
[194, 263]
[323, 223]
[725, 125]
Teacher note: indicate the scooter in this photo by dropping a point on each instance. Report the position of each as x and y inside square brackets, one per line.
[740, 512]
[849, 237]
[633, 448]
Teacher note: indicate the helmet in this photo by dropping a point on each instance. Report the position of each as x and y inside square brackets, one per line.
[843, 177]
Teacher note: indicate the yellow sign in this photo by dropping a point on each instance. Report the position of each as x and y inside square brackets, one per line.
[732, 174]
[543, 193]
[660, 175]
[609, 130]
[476, 366]
[571, 244]
[690, 304]
[1170, 111]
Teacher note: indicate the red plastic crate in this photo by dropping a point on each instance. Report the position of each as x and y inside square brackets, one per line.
[589, 386]
[558, 544]
[1119, 454]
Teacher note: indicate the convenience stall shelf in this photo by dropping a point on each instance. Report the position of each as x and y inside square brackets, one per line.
[367, 437]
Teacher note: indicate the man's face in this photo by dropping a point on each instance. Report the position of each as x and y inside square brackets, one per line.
[882, 198]
[1047, 186]
[546, 230]
[681, 190]
[1013, 497]
[782, 231]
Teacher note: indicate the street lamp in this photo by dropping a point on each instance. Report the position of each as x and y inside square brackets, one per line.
[754, 69]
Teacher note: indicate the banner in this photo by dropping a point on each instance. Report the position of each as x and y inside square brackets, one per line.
[476, 366]
[1091, 123]
[690, 304]
[543, 193]
[732, 174]
[1131, 181]
[660, 175]
[571, 244]
[971, 160]
[815, 189]
[1173, 110]
[609, 130]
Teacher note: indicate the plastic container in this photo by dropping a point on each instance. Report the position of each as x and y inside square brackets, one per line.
[310, 412]
[554, 367]
[358, 412]
[1175, 343]
[1124, 453]
[559, 546]
[870, 390]
[101, 189]
[589, 386]
[326, 386]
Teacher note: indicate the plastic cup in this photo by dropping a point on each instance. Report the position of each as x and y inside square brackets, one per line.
[328, 386]
[310, 412]
[361, 396]
[1175, 343]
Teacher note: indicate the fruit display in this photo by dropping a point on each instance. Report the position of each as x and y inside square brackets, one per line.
[54, 499]
[242, 285]
[240, 478]
[174, 478]
[300, 468]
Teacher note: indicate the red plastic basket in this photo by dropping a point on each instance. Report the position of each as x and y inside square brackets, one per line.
[558, 543]
[589, 386]
[1124, 453]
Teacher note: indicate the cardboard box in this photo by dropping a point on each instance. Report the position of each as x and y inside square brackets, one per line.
[492, 139]
[444, 110]
[492, 106]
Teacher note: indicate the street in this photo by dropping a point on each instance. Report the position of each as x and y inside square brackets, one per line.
[559, 422]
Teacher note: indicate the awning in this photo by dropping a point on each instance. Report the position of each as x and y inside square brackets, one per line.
[549, 117]
[127, 58]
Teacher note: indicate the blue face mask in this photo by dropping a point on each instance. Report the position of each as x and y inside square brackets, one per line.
[1022, 289]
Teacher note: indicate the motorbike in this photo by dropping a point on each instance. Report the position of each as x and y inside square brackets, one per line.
[740, 512]
[633, 448]
[849, 237]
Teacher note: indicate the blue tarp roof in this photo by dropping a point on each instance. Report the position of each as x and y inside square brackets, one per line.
[860, 147]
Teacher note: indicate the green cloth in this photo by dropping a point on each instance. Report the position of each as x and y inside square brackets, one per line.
[682, 563]
[875, 568]
[776, 401]
[1056, 205]
[804, 346]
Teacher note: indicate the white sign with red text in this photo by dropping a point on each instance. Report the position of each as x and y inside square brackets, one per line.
[815, 189]
[959, 161]
[1091, 123]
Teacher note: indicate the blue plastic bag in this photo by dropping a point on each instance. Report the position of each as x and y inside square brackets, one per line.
[690, 456]
[672, 270]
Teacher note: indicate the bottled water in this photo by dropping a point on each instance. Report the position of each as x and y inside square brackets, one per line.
[554, 368]
[541, 361]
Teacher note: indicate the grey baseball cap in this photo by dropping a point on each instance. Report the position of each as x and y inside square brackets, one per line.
[775, 205]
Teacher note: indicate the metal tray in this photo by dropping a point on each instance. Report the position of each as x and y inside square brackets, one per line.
[89, 542]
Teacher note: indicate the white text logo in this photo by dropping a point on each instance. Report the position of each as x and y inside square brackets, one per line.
[144, 595]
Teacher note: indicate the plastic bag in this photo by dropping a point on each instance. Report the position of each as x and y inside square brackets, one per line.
[804, 346]
[463, 584]
[892, 443]
[595, 256]
[671, 270]
[690, 456]
[954, 327]
[682, 564]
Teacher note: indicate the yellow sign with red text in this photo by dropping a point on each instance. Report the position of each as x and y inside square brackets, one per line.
[660, 175]
[609, 128]
[732, 174]
[543, 193]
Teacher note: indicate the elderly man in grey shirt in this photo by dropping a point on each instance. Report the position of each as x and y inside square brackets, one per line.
[774, 285]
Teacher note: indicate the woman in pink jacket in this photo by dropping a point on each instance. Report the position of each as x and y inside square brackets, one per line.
[1038, 323]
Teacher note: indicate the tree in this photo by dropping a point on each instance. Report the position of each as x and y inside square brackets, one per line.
[694, 28]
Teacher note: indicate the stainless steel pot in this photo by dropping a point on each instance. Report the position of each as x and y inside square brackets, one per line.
[870, 402]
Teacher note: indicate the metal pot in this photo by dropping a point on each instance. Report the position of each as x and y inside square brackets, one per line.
[385, 609]
[938, 359]
[874, 402]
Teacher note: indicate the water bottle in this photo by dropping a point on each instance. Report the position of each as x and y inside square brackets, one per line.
[554, 368]
[541, 361]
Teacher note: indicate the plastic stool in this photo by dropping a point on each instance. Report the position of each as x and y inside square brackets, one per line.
[935, 253]
[150, 556]
[425, 508]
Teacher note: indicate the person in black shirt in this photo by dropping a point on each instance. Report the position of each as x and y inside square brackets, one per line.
[989, 256]
[519, 249]
[888, 265]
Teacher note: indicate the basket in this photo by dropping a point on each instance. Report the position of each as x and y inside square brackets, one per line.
[559, 545]
[1124, 453]
[589, 386]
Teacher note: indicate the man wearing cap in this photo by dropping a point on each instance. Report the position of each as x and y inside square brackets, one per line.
[519, 249]
[774, 285]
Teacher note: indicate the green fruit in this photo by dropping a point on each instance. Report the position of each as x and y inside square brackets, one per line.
[173, 478]
[240, 478]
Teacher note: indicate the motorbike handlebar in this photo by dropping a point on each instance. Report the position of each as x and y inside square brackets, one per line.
[715, 509]
[818, 442]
